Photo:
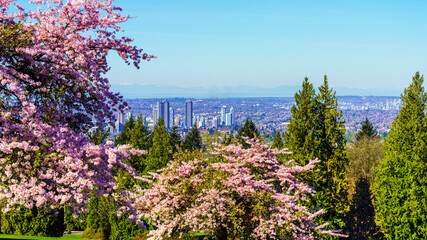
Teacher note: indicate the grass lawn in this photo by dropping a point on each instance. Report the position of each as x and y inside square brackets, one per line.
[65, 237]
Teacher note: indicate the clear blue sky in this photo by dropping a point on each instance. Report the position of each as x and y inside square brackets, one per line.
[358, 44]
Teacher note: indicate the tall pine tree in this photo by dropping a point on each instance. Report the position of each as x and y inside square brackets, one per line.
[299, 138]
[124, 136]
[400, 185]
[161, 151]
[316, 130]
[193, 140]
[248, 130]
[367, 130]
[331, 173]
[175, 139]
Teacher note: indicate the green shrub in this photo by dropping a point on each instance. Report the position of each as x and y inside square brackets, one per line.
[97, 220]
[122, 229]
[74, 224]
[34, 222]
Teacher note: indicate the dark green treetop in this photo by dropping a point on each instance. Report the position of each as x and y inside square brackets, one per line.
[367, 130]
[139, 135]
[161, 151]
[124, 136]
[175, 139]
[400, 185]
[193, 140]
[277, 142]
[248, 129]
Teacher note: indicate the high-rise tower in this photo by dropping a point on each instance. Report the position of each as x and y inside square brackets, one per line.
[223, 116]
[163, 112]
[231, 116]
[188, 117]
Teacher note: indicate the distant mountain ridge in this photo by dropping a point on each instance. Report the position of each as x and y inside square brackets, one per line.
[157, 91]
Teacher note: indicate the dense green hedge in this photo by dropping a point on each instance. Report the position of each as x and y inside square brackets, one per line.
[34, 222]
[122, 229]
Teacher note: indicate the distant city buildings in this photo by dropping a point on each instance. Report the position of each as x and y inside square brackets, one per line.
[163, 111]
[223, 116]
[269, 114]
[188, 114]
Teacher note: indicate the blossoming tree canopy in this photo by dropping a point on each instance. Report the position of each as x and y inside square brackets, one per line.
[52, 87]
[239, 193]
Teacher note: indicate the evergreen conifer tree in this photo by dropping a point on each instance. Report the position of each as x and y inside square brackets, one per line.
[330, 180]
[316, 130]
[193, 140]
[124, 136]
[367, 130]
[139, 135]
[400, 185]
[161, 151]
[299, 138]
[175, 139]
[248, 129]
[277, 142]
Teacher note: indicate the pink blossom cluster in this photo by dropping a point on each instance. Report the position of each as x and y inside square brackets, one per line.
[246, 192]
[52, 88]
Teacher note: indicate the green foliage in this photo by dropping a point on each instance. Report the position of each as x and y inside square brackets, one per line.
[300, 137]
[175, 139]
[98, 136]
[248, 130]
[210, 138]
[11, 37]
[122, 229]
[72, 223]
[316, 130]
[139, 135]
[97, 220]
[331, 179]
[363, 156]
[124, 136]
[34, 222]
[400, 185]
[361, 217]
[228, 140]
[193, 140]
[367, 130]
[161, 151]
[136, 134]
[277, 142]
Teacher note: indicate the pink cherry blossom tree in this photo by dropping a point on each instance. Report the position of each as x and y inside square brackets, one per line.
[239, 193]
[52, 89]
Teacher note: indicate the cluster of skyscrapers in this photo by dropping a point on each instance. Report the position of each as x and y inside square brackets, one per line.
[227, 119]
[185, 120]
[164, 111]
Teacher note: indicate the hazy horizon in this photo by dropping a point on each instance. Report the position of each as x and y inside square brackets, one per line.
[171, 91]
